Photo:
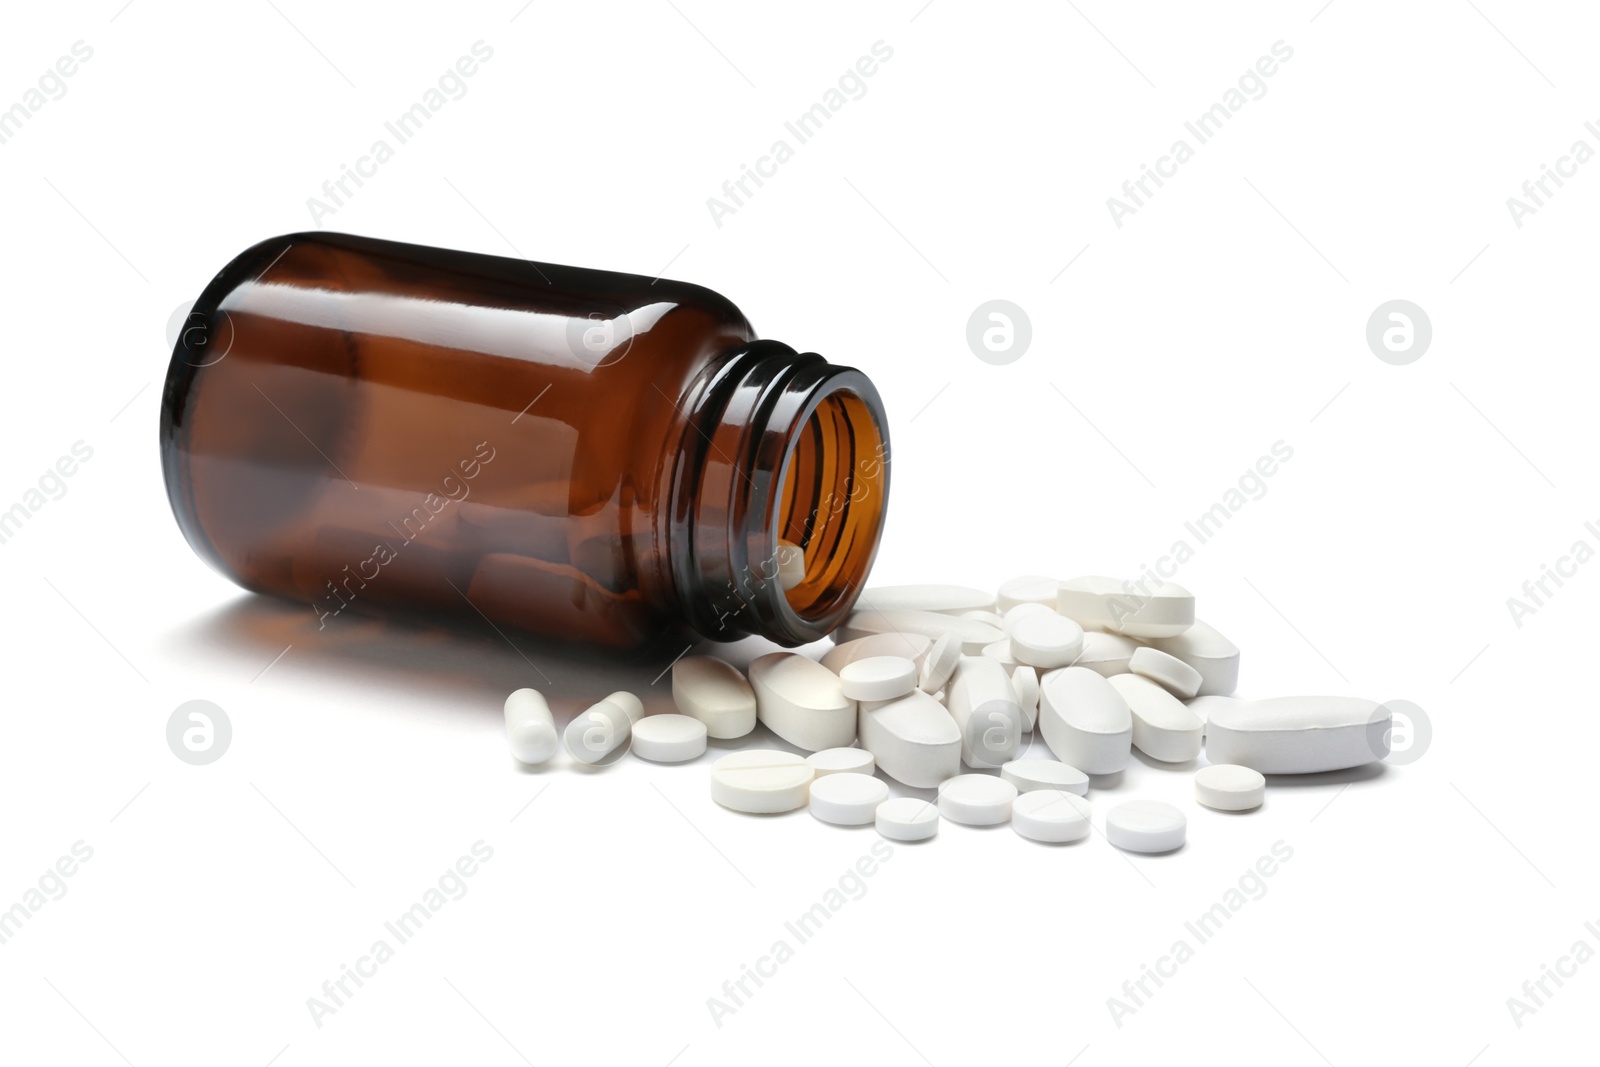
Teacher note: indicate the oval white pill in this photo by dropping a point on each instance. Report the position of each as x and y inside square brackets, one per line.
[1174, 675]
[842, 761]
[1204, 706]
[847, 799]
[983, 616]
[1028, 589]
[791, 564]
[1050, 815]
[984, 706]
[530, 728]
[802, 701]
[940, 663]
[1207, 651]
[972, 634]
[976, 799]
[943, 599]
[907, 819]
[598, 735]
[1145, 826]
[1136, 609]
[713, 691]
[1029, 775]
[669, 738]
[1106, 654]
[913, 647]
[878, 678]
[761, 781]
[913, 740]
[1229, 787]
[1085, 721]
[1046, 641]
[1298, 735]
[1025, 680]
[1163, 728]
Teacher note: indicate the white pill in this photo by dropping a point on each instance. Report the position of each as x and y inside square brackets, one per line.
[791, 564]
[1205, 707]
[984, 706]
[708, 689]
[976, 799]
[1031, 774]
[530, 728]
[1207, 651]
[1028, 589]
[878, 678]
[841, 761]
[1085, 721]
[1229, 787]
[1299, 735]
[597, 736]
[802, 701]
[847, 799]
[1000, 652]
[940, 663]
[1009, 619]
[972, 634]
[1173, 675]
[669, 738]
[944, 599]
[1046, 641]
[1050, 815]
[1106, 654]
[761, 781]
[913, 647]
[907, 819]
[1136, 609]
[989, 617]
[1145, 826]
[1025, 680]
[913, 740]
[1163, 728]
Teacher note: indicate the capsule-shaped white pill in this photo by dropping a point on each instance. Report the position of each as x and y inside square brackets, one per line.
[1299, 735]
[984, 705]
[530, 728]
[913, 647]
[600, 734]
[1207, 651]
[1136, 609]
[1028, 589]
[708, 689]
[1085, 721]
[972, 634]
[802, 701]
[913, 740]
[1163, 728]
[944, 599]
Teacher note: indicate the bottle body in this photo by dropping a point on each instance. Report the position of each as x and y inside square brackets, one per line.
[365, 425]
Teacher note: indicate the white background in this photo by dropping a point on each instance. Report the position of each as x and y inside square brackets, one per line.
[1227, 314]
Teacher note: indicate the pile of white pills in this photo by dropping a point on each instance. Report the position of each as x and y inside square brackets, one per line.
[939, 687]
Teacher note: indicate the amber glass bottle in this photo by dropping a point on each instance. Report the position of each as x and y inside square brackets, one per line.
[602, 458]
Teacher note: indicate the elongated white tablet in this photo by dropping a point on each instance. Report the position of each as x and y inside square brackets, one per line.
[1207, 651]
[708, 689]
[761, 781]
[1145, 826]
[1025, 680]
[1009, 619]
[1170, 672]
[1050, 815]
[1142, 610]
[1163, 728]
[1028, 589]
[669, 738]
[1046, 641]
[530, 728]
[990, 617]
[599, 735]
[878, 678]
[842, 761]
[976, 799]
[1085, 721]
[1031, 774]
[984, 706]
[913, 647]
[1229, 787]
[907, 819]
[1299, 735]
[940, 663]
[802, 701]
[1000, 652]
[791, 564]
[972, 634]
[944, 599]
[1106, 654]
[913, 740]
[847, 799]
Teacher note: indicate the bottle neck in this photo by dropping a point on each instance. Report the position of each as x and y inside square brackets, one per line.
[783, 449]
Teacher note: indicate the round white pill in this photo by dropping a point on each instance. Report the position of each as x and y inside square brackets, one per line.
[1178, 677]
[976, 799]
[847, 799]
[1028, 589]
[1145, 826]
[669, 738]
[878, 678]
[1029, 775]
[1012, 616]
[907, 819]
[530, 728]
[1046, 641]
[1050, 815]
[761, 781]
[940, 663]
[842, 761]
[1229, 787]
